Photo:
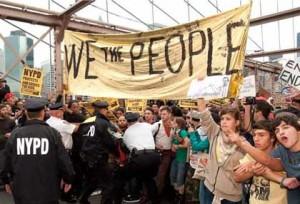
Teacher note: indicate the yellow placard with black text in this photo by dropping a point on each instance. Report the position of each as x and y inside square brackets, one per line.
[31, 82]
[136, 105]
[187, 103]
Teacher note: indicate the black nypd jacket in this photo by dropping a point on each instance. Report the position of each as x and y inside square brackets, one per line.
[99, 141]
[35, 161]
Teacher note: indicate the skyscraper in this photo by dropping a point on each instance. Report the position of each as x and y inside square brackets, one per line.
[21, 44]
[49, 78]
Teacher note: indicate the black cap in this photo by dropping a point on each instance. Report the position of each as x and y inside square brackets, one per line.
[35, 104]
[55, 106]
[100, 104]
[131, 117]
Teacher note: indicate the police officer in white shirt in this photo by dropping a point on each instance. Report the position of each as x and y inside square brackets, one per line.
[144, 160]
[65, 128]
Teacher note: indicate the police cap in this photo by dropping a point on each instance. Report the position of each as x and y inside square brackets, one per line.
[55, 106]
[131, 117]
[100, 104]
[35, 104]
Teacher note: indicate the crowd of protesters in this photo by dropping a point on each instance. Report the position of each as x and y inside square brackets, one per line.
[242, 152]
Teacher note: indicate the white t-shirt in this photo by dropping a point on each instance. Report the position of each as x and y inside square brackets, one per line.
[64, 128]
[162, 139]
[139, 136]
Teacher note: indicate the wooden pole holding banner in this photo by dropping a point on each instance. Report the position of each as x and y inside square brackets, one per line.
[59, 36]
[58, 62]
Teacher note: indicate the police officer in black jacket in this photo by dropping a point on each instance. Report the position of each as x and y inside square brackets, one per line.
[36, 162]
[95, 152]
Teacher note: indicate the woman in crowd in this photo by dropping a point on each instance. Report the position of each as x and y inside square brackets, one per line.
[179, 146]
[224, 155]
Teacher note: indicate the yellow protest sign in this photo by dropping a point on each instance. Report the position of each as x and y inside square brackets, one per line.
[158, 64]
[186, 103]
[31, 82]
[136, 105]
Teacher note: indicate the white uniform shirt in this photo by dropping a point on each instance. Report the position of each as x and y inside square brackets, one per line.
[139, 136]
[64, 128]
[162, 139]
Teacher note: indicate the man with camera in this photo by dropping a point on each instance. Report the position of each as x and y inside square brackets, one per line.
[255, 110]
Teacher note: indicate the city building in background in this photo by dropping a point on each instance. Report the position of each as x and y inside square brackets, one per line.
[49, 78]
[21, 43]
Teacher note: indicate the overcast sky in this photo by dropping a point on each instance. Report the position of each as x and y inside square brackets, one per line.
[271, 36]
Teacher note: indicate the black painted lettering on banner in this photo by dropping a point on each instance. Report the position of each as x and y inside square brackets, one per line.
[119, 53]
[72, 60]
[115, 53]
[198, 40]
[88, 60]
[182, 53]
[210, 54]
[104, 49]
[135, 57]
[152, 55]
[195, 52]
[232, 49]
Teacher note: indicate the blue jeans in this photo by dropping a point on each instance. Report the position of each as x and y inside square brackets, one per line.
[201, 191]
[177, 173]
[209, 196]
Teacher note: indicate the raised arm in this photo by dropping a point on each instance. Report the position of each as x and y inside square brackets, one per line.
[209, 126]
[247, 118]
[258, 155]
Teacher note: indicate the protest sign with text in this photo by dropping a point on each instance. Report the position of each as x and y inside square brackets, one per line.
[187, 103]
[158, 64]
[211, 87]
[248, 87]
[136, 105]
[290, 74]
[31, 82]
